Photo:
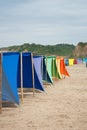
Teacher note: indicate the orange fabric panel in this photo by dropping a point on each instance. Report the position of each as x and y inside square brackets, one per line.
[63, 69]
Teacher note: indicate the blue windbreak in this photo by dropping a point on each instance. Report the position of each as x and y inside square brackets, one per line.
[27, 70]
[37, 73]
[10, 63]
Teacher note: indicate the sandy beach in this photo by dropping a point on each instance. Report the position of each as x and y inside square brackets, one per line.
[61, 107]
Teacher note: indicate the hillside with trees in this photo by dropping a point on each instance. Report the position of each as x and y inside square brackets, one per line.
[80, 50]
[37, 49]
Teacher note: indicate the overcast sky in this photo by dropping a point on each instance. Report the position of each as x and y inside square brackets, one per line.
[42, 22]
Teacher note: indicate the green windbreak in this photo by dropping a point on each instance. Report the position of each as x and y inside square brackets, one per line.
[58, 67]
[54, 69]
[48, 62]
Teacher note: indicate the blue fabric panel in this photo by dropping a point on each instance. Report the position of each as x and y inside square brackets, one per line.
[27, 70]
[66, 61]
[45, 73]
[19, 73]
[9, 77]
[37, 73]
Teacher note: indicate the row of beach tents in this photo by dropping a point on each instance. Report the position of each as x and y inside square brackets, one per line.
[23, 70]
[72, 61]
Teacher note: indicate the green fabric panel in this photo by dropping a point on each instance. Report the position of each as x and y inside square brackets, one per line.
[54, 69]
[48, 61]
[58, 69]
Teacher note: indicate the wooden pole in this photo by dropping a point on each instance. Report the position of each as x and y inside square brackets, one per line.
[42, 68]
[46, 68]
[21, 75]
[33, 74]
[0, 83]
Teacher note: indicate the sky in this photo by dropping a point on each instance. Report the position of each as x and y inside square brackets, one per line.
[46, 22]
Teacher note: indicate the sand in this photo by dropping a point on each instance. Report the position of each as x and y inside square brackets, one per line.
[61, 107]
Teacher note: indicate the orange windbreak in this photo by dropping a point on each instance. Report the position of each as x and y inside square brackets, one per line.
[63, 69]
